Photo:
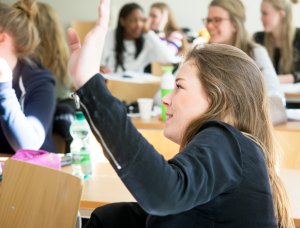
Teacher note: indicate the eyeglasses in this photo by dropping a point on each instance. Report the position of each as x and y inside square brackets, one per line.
[215, 20]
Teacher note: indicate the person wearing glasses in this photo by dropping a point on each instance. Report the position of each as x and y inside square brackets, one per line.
[281, 38]
[226, 25]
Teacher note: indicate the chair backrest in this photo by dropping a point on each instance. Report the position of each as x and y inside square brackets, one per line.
[82, 27]
[129, 92]
[156, 68]
[35, 196]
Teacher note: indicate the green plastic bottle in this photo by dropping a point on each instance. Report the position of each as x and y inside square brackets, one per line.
[80, 149]
[167, 86]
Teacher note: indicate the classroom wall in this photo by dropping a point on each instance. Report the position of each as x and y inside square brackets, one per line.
[189, 13]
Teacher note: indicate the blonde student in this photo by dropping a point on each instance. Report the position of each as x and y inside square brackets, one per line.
[27, 99]
[281, 38]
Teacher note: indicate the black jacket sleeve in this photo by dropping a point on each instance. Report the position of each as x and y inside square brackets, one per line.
[210, 165]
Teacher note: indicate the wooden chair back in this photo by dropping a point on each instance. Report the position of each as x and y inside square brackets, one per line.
[82, 27]
[129, 92]
[33, 196]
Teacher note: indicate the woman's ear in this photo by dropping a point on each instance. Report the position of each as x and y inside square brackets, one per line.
[4, 37]
[282, 13]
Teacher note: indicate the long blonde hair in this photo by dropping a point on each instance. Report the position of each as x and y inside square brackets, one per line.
[237, 15]
[171, 25]
[288, 33]
[17, 21]
[53, 51]
[236, 89]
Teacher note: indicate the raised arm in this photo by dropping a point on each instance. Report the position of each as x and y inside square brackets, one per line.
[90, 52]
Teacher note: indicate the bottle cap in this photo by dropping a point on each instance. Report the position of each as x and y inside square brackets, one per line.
[79, 115]
[167, 69]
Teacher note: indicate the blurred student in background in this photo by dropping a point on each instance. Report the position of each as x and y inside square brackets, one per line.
[132, 46]
[27, 100]
[281, 38]
[53, 53]
[226, 24]
[162, 21]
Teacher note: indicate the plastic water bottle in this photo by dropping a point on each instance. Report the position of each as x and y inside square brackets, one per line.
[167, 86]
[80, 150]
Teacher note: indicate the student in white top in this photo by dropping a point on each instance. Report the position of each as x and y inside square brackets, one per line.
[131, 47]
[162, 21]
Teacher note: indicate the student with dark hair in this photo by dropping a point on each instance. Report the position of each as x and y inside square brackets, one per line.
[218, 113]
[131, 46]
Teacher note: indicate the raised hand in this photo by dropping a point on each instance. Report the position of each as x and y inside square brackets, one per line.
[85, 59]
[5, 71]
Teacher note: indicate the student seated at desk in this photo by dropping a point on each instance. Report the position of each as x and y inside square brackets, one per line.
[226, 25]
[53, 53]
[27, 99]
[162, 21]
[225, 174]
[131, 46]
[281, 38]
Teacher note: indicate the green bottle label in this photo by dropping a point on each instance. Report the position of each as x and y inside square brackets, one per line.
[164, 92]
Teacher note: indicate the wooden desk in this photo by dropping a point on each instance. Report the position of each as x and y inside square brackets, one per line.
[102, 187]
[291, 180]
[153, 123]
[287, 137]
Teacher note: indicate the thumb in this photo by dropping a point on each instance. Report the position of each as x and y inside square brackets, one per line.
[74, 41]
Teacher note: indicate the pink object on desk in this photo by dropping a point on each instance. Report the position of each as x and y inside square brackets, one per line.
[38, 157]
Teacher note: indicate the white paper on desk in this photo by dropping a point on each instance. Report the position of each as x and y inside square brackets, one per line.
[290, 88]
[293, 114]
[133, 77]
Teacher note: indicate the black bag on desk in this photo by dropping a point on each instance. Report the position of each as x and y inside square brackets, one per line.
[277, 110]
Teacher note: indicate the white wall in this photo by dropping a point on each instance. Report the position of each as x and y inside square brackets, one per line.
[189, 13]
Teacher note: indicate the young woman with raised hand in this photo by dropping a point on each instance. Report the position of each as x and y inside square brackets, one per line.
[218, 113]
[27, 99]
[132, 46]
[281, 38]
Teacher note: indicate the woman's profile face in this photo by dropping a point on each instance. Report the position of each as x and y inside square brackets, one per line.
[187, 102]
[133, 24]
[155, 18]
[219, 26]
[270, 17]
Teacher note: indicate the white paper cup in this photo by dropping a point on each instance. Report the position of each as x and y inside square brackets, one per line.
[145, 108]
